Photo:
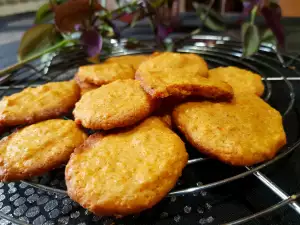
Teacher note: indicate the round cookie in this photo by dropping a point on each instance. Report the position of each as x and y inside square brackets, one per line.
[244, 132]
[105, 73]
[242, 81]
[118, 104]
[126, 172]
[36, 104]
[166, 61]
[174, 74]
[133, 60]
[38, 148]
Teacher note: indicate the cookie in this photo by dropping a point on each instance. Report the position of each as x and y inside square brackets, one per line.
[166, 61]
[174, 74]
[36, 104]
[133, 60]
[242, 81]
[105, 73]
[118, 104]
[38, 148]
[244, 132]
[84, 86]
[126, 172]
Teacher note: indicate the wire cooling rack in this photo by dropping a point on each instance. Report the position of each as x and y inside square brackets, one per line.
[43, 200]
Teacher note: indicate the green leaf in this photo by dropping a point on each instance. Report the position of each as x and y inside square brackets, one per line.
[169, 45]
[213, 20]
[43, 14]
[133, 43]
[253, 14]
[135, 18]
[268, 37]
[106, 30]
[157, 3]
[251, 39]
[37, 39]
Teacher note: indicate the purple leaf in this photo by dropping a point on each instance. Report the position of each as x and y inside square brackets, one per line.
[168, 15]
[166, 18]
[126, 17]
[92, 41]
[247, 7]
[77, 27]
[272, 15]
[73, 12]
[163, 31]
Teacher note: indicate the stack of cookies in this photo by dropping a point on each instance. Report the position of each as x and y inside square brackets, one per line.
[136, 105]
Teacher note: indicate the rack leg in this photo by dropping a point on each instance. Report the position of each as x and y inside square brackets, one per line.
[277, 190]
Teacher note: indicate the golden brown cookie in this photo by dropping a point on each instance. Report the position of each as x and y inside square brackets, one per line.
[166, 61]
[84, 86]
[242, 81]
[244, 132]
[133, 60]
[36, 104]
[118, 104]
[174, 74]
[126, 172]
[154, 54]
[105, 73]
[38, 148]
[162, 85]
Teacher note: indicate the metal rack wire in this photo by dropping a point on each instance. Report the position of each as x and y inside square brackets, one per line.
[217, 51]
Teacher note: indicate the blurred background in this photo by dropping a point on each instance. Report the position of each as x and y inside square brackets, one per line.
[290, 8]
[17, 16]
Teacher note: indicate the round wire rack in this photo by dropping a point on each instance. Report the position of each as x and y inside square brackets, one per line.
[43, 200]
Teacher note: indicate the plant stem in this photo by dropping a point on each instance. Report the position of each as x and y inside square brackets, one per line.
[91, 4]
[253, 14]
[150, 11]
[36, 56]
[199, 29]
